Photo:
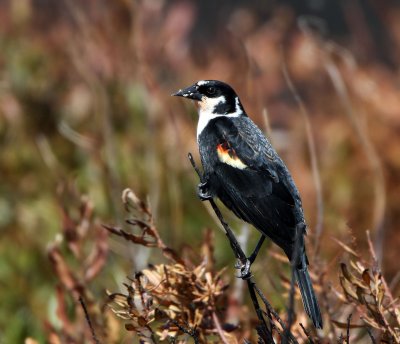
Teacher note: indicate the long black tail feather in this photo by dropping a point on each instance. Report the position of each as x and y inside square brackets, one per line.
[308, 296]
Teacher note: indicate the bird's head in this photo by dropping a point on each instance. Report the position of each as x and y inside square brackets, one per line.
[215, 98]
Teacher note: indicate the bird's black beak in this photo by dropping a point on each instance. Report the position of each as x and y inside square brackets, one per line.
[190, 92]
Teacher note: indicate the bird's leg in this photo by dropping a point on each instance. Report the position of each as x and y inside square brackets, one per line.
[203, 191]
[245, 268]
[253, 256]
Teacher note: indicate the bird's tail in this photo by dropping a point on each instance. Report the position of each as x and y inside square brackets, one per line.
[308, 296]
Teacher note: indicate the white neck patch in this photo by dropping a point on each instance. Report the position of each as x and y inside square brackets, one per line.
[206, 109]
[238, 108]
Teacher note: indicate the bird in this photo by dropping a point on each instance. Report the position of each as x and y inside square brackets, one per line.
[244, 171]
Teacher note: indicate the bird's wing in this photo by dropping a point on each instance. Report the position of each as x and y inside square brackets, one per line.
[257, 190]
[248, 145]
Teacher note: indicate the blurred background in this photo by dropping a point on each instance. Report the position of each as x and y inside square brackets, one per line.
[85, 109]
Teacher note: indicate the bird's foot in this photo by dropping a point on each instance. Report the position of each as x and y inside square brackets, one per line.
[203, 191]
[245, 273]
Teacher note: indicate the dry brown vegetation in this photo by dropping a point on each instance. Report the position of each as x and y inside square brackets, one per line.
[85, 112]
[186, 299]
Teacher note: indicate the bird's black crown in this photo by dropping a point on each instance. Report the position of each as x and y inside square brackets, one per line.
[215, 88]
[228, 101]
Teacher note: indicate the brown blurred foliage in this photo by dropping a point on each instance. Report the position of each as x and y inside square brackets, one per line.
[85, 105]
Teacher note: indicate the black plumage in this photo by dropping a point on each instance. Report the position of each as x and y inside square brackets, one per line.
[263, 193]
[244, 171]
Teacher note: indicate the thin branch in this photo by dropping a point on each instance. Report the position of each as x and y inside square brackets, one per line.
[395, 280]
[311, 341]
[388, 291]
[192, 332]
[348, 328]
[263, 331]
[373, 341]
[372, 249]
[272, 311]
[89, 322]
[219, 328]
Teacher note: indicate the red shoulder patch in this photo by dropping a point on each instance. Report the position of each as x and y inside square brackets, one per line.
[227, 155]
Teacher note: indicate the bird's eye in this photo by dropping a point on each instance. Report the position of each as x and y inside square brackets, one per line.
[211, 90]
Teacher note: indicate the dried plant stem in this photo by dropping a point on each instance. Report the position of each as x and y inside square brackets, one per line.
[374, 257]
[238, 285]
[310, 340]
[190, 332]
[348, 328]
[369, 150]
[373, 341]
[395, 280]
[219, 328]
[94, 337]
[274, 313]
[313, 157]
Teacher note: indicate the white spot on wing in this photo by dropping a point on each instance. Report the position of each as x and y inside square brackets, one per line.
[227, 159]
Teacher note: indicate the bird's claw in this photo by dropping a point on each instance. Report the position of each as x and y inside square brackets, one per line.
[203, 191]
[245, 273]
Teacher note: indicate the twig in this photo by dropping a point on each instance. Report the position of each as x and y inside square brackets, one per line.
[94, 337]
[348, 328]
[263, 331]
[388, 291]
[372, 249]
[272, 311]
[219, 328]
[395, 280]
[373, 341]
[191, 331]
[307, 334]
[238, 285]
